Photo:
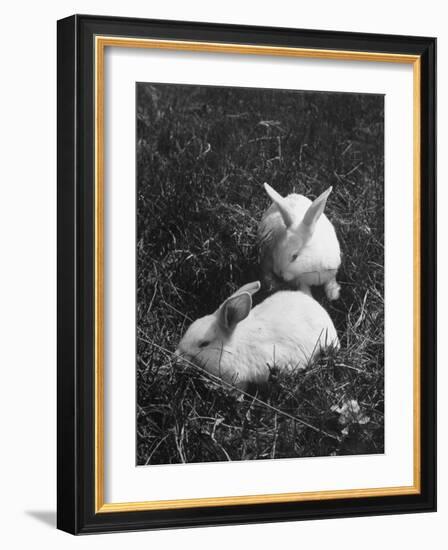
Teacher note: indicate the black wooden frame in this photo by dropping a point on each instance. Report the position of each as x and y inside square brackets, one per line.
[76, 513]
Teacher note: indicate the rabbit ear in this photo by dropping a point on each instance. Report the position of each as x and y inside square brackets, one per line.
[281, 204]
[251, 288]
[317, 207]
[233, 310]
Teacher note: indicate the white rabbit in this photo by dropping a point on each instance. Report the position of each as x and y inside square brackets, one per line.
[298, 243]
[239, 344]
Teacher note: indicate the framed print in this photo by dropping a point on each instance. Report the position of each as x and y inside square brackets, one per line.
[246, 274]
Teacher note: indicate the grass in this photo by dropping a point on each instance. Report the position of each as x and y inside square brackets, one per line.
[202, 156]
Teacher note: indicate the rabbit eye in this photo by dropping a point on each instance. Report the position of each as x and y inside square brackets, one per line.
[294, 257]
[204, 344]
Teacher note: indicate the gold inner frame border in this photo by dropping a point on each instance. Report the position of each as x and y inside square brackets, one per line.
[100, 44]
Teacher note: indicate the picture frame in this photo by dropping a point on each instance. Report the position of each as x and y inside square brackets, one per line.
[82, 240]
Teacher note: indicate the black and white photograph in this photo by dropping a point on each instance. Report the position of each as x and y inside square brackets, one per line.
[260, 274]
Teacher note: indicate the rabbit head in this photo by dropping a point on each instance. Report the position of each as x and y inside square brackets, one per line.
[299, 230]
[206, 342]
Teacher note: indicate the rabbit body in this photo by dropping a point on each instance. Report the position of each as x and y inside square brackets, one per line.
[287, 330]
[298, 244]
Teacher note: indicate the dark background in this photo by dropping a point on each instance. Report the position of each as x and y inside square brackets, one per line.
[202, 156]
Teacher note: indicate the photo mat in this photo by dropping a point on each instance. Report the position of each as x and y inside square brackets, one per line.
[203, 154]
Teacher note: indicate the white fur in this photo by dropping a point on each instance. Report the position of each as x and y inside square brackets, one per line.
[283, 233]
[285, 331]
